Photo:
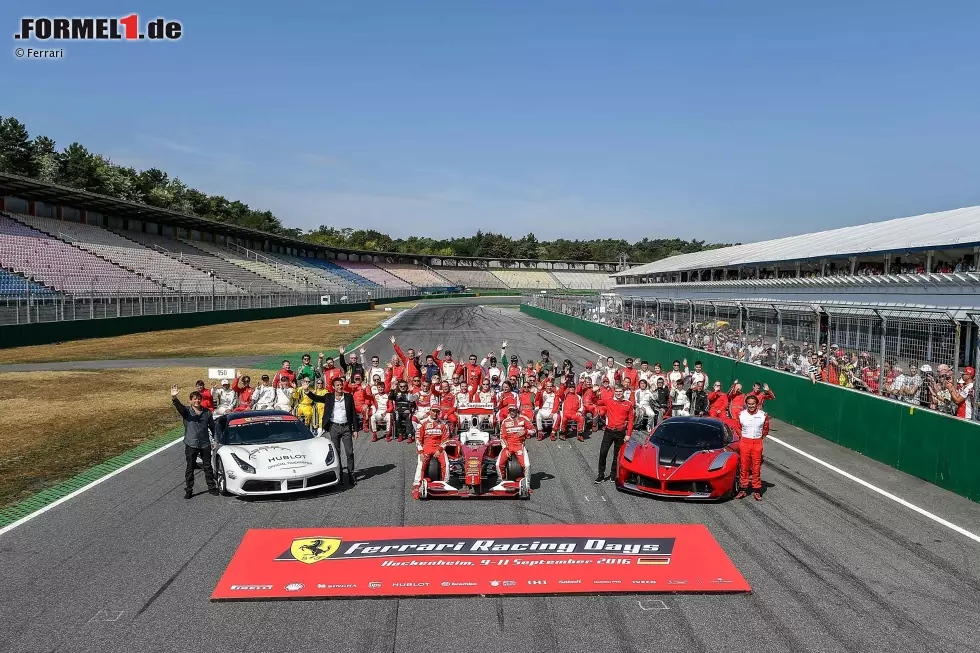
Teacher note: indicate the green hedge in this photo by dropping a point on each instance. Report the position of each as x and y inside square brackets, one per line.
[937, 448]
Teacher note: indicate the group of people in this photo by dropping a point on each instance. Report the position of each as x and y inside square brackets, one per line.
[428, 395]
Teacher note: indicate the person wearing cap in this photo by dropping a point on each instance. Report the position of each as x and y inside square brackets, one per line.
[225, 399]
[447, 365]
[352, 367]
[962, 394]
[514, 430]
[514, 369]
[432, 434]
[284, 395]
[631, 373]
[264, 397]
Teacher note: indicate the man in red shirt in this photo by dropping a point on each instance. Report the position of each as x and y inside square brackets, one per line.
[631, 373]
[286, 373]
[514, 430]
[717, 402]
[762, 393]
[207, 401]
[619, 427]
[447, 406]
[410, 360]
[473, 372]
[432, 433]
[331, 372]
[572, 410]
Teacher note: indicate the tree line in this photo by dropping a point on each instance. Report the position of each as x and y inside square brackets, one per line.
[76, 167]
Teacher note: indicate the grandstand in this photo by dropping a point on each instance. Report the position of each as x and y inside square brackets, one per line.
[15, 285]
[583, 280]
[373, 273]
[65, 267]
[353, 280]
[188, 253]
[417, 275]
[922, 245]
[130, 255]
[528, 279]
[305, 266]
[473, 278]
[282, 273]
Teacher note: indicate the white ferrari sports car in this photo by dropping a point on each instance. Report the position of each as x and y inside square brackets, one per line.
[265, 452]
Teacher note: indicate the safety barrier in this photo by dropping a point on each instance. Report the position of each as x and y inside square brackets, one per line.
[937, 448]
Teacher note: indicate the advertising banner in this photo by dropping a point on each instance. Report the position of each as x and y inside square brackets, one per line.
[477, 560]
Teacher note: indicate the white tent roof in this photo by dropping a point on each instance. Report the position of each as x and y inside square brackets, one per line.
[959, 227]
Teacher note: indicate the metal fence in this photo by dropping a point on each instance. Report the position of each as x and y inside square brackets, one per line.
[898, 353]
[152, 299]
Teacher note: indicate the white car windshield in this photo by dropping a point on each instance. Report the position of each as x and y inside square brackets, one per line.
[266, 430]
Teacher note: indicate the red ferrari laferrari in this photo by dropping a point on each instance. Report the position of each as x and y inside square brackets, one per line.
[685, 457]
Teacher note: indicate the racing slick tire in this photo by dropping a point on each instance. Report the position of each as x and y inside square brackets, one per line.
[220, 480]
[434, 470]
[513, 469]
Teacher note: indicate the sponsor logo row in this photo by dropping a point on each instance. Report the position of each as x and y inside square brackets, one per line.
[376, 584]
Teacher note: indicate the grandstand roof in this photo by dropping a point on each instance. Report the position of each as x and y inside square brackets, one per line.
[33, 189]
[956, 228]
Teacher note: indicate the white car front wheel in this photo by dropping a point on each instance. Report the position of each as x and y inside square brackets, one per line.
[220, 478]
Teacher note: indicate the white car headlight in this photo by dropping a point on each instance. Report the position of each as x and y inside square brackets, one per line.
[330, 455]
[244, 465]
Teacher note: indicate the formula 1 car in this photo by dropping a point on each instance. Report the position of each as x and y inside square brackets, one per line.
[475, 414]
[693, 458]
[270, 452]
[467, 467]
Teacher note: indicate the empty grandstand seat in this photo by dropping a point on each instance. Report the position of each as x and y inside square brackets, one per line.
[270, 270]
[343, 273]
[374, 273]
[417, 276]
[472, 277]
[15, 286]
[130, 255]
[65, 267]
[535, 279]
[584, 280]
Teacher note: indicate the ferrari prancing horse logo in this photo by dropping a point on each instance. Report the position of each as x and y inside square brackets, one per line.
[314, 549]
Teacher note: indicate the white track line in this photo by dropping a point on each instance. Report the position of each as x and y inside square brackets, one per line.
[838, 470]
[103, 479]
[54, 504]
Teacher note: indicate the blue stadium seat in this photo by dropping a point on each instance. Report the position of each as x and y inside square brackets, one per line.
[344, 273]
[13, 285]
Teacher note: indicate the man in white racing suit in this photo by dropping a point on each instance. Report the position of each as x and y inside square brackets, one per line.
[225, 399]
[644, 405]
[547, 403]
[264, 396]
[283, 399]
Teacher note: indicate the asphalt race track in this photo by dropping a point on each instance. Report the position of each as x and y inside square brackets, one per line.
[129, 565]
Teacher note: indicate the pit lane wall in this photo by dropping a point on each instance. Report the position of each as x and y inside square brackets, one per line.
[937, 448]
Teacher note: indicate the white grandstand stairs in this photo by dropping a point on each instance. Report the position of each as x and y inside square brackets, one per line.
[286, 270]
[333, 282]
[179, 257]
[433, 271]
[66, 238]
[229, 254]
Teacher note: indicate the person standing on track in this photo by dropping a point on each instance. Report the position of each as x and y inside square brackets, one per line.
[339, 422]
[619, 427]
[198, 427]
[753, 427]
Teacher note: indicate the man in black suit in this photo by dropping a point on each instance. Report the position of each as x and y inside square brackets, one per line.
[339, 421]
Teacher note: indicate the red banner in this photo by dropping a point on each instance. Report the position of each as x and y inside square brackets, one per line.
[475, 560]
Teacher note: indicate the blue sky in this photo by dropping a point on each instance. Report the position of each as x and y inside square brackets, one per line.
[715, 120]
